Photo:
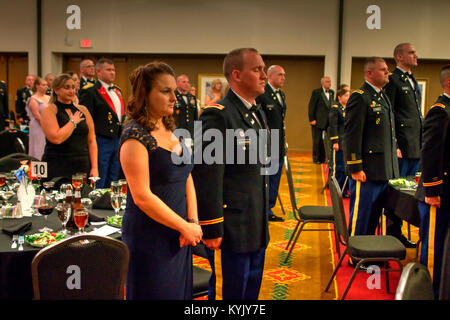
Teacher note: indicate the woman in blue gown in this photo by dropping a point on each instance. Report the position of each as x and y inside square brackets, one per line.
[160, 222]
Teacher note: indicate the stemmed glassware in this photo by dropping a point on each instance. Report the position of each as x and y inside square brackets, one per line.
[94, 194]
[77, 181]
[45, 208]
[116, 202]
[80, 218]
[6, 195]
[123, 190]
[2, 180]
[63, 210]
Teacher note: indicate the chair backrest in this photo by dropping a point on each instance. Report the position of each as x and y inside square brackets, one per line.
[72, 269]
[415, 283]
[20, 147]
[444, 290]
[12, 161]
[338, 209]
[287, 166]
[9, 143]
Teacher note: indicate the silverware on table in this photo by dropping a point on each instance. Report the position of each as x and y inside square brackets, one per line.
[21, 242]
[15, 237]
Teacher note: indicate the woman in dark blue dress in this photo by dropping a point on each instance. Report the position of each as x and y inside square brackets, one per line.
[160, 222]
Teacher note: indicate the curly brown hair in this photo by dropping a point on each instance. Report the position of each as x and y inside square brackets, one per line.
[142, 79]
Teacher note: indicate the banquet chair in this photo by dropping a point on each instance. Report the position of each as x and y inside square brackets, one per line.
[362, 248]
[327, 146]
[415, 283]
[74, 269]
[306, 214]
[12, 161]
[9, 143]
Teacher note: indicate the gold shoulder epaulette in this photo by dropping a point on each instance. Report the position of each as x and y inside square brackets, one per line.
[217, 106]
[87, 86]
[358, 91]
[438, 105]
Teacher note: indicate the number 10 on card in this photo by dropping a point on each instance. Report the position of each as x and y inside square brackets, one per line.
[39, 169]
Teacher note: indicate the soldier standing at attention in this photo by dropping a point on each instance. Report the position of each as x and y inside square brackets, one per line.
[22, 96]
[185, 110]
[105, 103]
[405, 97]
[371, 148]
[434, 186]
[87, 72]
[233, 197]
[273, 103]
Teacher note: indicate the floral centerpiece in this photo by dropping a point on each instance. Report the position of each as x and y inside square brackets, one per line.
[25, 192]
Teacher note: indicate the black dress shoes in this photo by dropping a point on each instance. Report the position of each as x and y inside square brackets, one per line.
[275, 218]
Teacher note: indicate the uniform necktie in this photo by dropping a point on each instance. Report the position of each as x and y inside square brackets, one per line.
[111, 88]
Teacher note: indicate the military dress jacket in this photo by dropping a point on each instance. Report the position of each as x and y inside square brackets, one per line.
[336, 121]
[319, 107]
[275, 111]
[232, 196]
[435, 159]
[4, 109]
[21, 101]
[405, 102]
[369, 134]
[96, 99]
[185, 113]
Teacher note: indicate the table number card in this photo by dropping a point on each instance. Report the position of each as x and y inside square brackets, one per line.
[39, 169]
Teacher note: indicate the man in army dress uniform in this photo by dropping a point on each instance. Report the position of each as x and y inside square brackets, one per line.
[434, 186]
[233, 197]
[4, 109]
[273, 104]
[318, 110]
[405, 97]
[87, 73]
[185, 109]
[105, 103]
[371, 151]
[22, 96]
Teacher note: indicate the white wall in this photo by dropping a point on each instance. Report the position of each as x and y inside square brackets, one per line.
[426, 24]
[18, 29]
[137, 26]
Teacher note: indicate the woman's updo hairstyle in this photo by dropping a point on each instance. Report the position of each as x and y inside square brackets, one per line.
[142, 80]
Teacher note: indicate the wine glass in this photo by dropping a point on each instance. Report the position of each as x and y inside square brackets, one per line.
[116, 199]
[6, 195]
[66, 190]
[86, 202]
[77, 181]
[123, 190]
[2, 180]
[46, 207]
[115, 187]
[80, 217]
[83, 177]
[94, 194]
[63, 210]
[36, 204]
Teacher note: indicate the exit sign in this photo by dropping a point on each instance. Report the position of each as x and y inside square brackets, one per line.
[85, 43]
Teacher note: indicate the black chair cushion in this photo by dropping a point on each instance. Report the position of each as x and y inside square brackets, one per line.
[316, 213]
[376, 247]
[201, 281]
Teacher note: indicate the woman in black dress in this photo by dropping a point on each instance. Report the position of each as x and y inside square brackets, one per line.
[70, 135]
[160, 222]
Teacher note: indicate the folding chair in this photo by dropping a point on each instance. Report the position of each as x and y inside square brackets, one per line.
[415, 283]
[306, 214]
[363, 248]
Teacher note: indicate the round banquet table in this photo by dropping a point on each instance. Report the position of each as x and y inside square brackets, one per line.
[15, 266]
[402, 202]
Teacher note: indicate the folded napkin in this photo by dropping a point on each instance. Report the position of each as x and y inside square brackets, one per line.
[14, 227]
[104, 202]
[85, 191]
[95, 218]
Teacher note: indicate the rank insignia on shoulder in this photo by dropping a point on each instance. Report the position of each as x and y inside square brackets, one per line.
[216, 106]
[358, 91]
[88, 86]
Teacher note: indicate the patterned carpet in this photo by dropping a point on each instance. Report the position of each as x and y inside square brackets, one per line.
[306, 272]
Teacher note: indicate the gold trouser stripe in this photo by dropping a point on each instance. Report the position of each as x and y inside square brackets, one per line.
[218, 272]
[383, 223]
[431, 235]
[355, 208]
[334, 163]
